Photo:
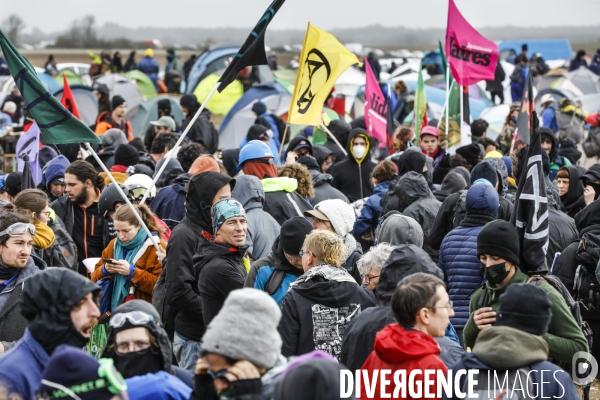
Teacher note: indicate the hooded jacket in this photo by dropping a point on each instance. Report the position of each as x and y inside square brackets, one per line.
[203, 131]
[556, 161]
[573, 201]
[169, 203]
[295, 142]
[341, 130]
[281, 200]
[458, 252]
[502, 348]
[397, 229]
[314, 315]
[352, 176]
[453, 182]
[397, 348]
[186, 240]
[172, 171]
[55, 169]
[321, 182]
[562, 230]
[262, 228]
[368, 219]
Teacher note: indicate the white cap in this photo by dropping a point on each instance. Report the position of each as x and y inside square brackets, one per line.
[9, 107]
[547, 97]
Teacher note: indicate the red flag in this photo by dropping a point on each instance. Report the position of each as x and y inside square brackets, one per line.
[67, 98]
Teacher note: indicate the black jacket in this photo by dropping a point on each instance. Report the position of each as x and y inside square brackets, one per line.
[573, 201]
[351, 177]
[331, 304]
[282, 202]
[203, 131]
[221, 270]
[323, 189]
[562, 231]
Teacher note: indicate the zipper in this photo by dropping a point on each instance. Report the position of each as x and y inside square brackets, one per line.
[361, 185]
[92, 225]
[85, 232]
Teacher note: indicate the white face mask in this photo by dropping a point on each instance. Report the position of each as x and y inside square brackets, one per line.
[359, 151]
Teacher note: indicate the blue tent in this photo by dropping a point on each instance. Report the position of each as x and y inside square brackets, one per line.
[49, 81]
[211, 60]
[85, 100]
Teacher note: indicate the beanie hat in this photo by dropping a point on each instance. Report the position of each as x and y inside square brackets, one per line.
[117, 101]
[164, 104]
[484, 171]
[259, 132]
[223, 210]
[259, 108]
[126, 155]
[12, 183]
[525, 307]
[470, 153]
[9, 107]
[56, 170]
[71, 368]
[205, 162]
[499, 238]
[189, 101]
[310, 163]
[292, 234]
[339, 213]
[246, 328]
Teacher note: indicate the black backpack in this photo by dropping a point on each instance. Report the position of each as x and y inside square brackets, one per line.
[460, 209]
[586, 286]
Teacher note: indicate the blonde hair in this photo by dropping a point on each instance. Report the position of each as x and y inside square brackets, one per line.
[125, 214]
[327, 247]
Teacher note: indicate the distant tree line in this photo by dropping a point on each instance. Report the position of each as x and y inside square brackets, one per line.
[83, 34]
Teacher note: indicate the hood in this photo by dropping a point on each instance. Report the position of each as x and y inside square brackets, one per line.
[112, 138]
[411, 161]
[463, 172]
[415, 188]
[56, 169]
[201, 192]
[394, 344]
[230, 158]
[173, 166]
[404, 260]
[381, 188]
[358, 132]
[156, 328]
[484, 171]
[453, 182]
[295, 141]
[549, 133]
[482, 197]
[218, 249]
[249, 192]
[45, 155]
[319, 178]
[588, 217]
[320, 153]
[575, 186]
[327, 292]
[397, 229]
[341, 130]
[282, 183]
[310, 163]
[505, 348]
[502, 172]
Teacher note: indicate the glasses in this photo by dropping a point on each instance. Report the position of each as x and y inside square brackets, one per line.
[368, 278]
[302, 252]
[449, 306]
[18, 229]
[130, 347]
[134, 317]
[219, 374]
[293, 258]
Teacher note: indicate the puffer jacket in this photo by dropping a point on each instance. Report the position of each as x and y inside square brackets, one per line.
[169, 203]
[281, 199]
[458, 252]
[369, 214]
[263, 229]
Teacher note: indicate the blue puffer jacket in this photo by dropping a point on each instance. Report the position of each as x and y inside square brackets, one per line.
[458, 252]
[369, 214]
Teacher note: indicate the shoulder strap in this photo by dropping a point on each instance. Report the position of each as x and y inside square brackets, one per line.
[274, 282]
[483, 300]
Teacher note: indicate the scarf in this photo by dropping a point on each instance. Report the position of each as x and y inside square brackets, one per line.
[326, 271]
[44, 236]
[7, 272]
[477, 218]
[259, 169]
[121, 282]
[118, 168]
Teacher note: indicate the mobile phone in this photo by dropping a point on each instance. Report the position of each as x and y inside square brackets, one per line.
[108, 260]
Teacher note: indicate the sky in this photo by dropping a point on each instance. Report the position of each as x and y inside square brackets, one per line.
[50, 16]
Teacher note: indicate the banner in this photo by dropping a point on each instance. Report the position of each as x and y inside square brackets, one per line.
[525, 118]
[472, 57]
[67, 99]
[29, 143]
[375, 107]
[420, 111]
[322, 61]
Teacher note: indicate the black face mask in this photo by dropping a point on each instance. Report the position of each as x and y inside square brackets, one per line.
[596, 187]
[6, 272]
[138, 363]
[496, 273]
[513, 121]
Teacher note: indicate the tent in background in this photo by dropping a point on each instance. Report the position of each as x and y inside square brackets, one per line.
[72, 77]
[220, 103]
[118, 84]
[559, 79]
[141, 115]
[143, 83]
[287, 75]
[211, 60]
[86, 100]
[587, 81]
[49, 82]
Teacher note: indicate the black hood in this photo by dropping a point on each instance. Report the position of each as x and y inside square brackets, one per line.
[588, 218]
[341, 130]
[319, 178]
[281, 263]
[405, 260]
[310, 163]
[218, 249]
[453, 182]
[46, 303]
[575, 186]
[411, 161]
[202, 189]
[414, 188]
[295, 141]
[320, 153]
[547, 132]
[329, 293]
[230, 158]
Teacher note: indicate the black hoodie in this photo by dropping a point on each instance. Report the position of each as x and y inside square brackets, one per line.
[203, 131]
[186, 240]
[345, 173]
[573, 201]
[453, 182]
[321, 182]
[295, 142]
[340, 129]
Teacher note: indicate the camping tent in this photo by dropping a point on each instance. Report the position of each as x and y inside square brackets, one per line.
[240, 118]
[141, 115]
[49, 82]
[220, 103]
[86, 101]
[118, 84]
[211, 60]
[143, 83]
[72, 77]
[559, 79]
[587, 81]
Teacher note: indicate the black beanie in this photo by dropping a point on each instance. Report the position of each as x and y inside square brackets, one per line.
[309, 162]
[292, 234]
[525, 307]
[12, 183]
[470, 153]
[499, 238]
[259, 108]
[164, 105]
[485, 171]
[117, 101]
[258, 132]
[189, 101]
[126, 155]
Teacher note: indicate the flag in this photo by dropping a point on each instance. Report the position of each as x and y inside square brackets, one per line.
[29, 144]
[530, 215]
[420, 116]
[453, 140]
[389, 116]
[55, 122]
[252, 51]
[525, 118]
[322, 61]
[472, 57]
[375, 108]
[67, 99]
[444, 62]
[465, 126]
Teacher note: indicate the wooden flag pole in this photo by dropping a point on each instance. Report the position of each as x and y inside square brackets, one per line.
[287, 126]
[333, 137]
[174, 149]
[137, 216]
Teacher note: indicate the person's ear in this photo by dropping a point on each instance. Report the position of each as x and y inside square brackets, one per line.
[165, 150]
[33, 215]
[423, 316]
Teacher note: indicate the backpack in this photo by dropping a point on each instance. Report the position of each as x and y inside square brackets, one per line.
[63, 251]
[512, 384]
[591, 145]
[586, 286]
[460, 209]
[274, 282]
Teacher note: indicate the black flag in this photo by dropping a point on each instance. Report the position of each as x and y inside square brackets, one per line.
[530, 215]
[253, 50]
[524, 120]
[390, 128]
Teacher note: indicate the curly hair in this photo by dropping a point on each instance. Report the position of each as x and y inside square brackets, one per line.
[301, 174]
[327, 247]
[187, 154]
[374, 258]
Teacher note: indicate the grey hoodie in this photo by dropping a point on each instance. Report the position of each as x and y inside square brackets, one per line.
[399, 229]
[263, 229]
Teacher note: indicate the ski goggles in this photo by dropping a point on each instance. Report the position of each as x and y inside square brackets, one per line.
[134, 317]
[137, 192]
[18, 229]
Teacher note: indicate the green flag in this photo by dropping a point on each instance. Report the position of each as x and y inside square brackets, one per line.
[454, 121]
[445, 63]
[57, 124]
[420, 119]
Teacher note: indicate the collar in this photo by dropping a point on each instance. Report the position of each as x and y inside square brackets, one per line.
[35, 348]
[5, 284]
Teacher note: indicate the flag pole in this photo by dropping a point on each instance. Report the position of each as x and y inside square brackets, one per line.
[333, 137]
[461, 111]
[137, 216]
[287, 126]
[174, 149]
[448, 72]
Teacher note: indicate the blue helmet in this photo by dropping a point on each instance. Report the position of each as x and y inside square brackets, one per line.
[253, 150]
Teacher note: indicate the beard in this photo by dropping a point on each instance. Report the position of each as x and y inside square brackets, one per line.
[82, 198]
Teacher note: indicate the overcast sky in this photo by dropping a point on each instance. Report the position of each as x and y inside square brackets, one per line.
[327, 14]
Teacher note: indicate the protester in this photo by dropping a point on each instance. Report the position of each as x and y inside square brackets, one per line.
[591, 184]
[325, 290]
[115, 119]
[162, 125]
[578, 61]
[61, 308]
[321, 181]
[161, 146]
[429, 140]
[341, 130]
[570, 189]
[188, 154]
[298, 147]
[453, 182]
[274, 273]
[518, 79]
[53, 183]
[150, 67]
[275, 123]
[371, 263]
[300, 173]
[125, 156]
[34, 202]
[264, 134]
[495, 86]
[550, 146]
[12, 184]
[263, 230]
[397, 229]
[112, 139]
[203, 131]
[506, 135]
[550, 109]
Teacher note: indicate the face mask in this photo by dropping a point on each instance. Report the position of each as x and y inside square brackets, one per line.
[596, 187]
[496, 273]
[513, 121]
[138, 363]
[359, 151]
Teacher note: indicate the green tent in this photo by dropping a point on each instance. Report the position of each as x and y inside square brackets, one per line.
[143, 83]
[72, 77]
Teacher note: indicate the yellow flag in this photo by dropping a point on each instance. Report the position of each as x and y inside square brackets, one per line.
[322, 61]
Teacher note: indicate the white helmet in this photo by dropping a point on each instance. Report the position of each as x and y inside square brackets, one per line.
[138, 185]
[546, 98]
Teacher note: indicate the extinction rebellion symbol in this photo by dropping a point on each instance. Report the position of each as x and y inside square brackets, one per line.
[315, 74]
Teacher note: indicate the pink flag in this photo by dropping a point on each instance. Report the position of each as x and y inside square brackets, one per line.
[375, 108]
[472, 57]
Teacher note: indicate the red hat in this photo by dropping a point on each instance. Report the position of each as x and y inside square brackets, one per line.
[430, 130]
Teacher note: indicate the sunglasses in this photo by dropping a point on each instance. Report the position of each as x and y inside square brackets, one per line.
[134, 317]
[18, 229]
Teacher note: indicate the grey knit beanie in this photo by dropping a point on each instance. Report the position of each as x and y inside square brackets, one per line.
[246, 328]
[340, 214]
